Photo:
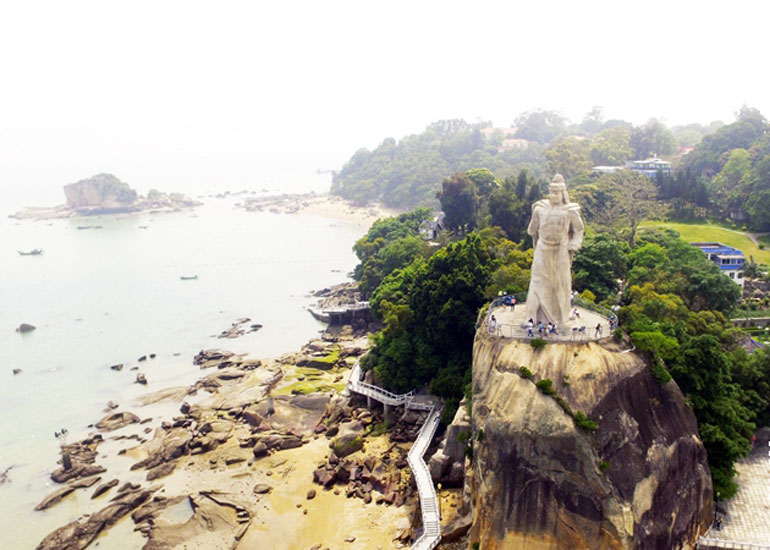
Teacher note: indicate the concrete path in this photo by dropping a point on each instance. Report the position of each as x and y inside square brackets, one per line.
[747, 521]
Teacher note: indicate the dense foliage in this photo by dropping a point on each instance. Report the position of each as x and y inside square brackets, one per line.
[409, 172]
[673, 311]
[390, 244]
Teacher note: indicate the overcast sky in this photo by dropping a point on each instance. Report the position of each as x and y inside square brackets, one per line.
[189, 91]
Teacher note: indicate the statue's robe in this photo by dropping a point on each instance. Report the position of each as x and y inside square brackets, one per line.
[556, 231]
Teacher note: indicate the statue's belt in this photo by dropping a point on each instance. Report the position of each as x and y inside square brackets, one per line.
[552, 243]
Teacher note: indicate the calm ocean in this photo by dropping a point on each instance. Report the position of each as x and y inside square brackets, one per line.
[110, 295]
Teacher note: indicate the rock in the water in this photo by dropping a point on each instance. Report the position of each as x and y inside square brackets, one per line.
[311, 494]
[16, 371]
[61, 475]
[118, 366]
[25, 327]
[104, 487]
[59, 494]
[141, 379]
[79, 534]
[116, 420]
[638, 480]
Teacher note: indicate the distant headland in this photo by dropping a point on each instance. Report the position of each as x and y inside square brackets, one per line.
[106, 194]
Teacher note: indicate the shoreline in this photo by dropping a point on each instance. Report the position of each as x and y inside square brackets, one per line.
[224, 410]
[322, 205]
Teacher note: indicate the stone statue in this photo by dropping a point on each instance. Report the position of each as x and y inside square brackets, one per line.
[557, 231]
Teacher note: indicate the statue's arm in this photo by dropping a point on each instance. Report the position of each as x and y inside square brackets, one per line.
[576, 230]
[534, 225]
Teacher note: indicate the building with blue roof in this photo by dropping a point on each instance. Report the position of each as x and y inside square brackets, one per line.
[730, 260]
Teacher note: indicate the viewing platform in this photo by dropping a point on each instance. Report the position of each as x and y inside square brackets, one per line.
[511, 322]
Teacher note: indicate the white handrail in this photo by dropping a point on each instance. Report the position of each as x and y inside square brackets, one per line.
[429, 508]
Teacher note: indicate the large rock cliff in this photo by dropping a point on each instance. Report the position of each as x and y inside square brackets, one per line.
[638, 481]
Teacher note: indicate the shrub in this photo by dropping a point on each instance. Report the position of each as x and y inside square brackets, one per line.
[546, 386]
[525, 373]
[618, 334]
[588, 296]
[480, 435]
[584, 422]
[604, 465]
[659, 371]
[537, 343]
[563, 404]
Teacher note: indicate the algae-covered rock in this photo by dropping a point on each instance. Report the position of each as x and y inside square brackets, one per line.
[347, 444]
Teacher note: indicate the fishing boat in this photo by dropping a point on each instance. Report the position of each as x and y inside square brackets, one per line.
[33, 252]
[188, 278]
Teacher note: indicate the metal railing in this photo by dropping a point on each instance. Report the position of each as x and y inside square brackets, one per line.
[431, 518]
[582, 333]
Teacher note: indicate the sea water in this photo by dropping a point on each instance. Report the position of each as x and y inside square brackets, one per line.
[113, 293]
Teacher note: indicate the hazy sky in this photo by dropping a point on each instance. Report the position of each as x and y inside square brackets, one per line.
[165, 93]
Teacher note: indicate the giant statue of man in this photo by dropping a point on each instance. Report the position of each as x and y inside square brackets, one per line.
[557, 232]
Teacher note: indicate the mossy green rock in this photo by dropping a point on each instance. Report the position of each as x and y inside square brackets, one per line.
[347, 444]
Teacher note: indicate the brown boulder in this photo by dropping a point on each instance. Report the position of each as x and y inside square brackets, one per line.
[116, 421]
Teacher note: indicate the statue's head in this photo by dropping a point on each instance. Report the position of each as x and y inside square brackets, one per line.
[558, 190]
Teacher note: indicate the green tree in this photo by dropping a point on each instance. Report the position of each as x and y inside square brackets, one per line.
[459, 202]
[539, 125]
[652, 138]
[611, 147]
[599, 264]
[568, 156]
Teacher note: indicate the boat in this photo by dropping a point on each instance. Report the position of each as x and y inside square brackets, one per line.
[188, 278]
[33, 252]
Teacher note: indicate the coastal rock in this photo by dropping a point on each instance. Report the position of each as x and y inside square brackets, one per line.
[141, 379]
[61, 475]
[79, 534]
[166, 445]
[639, 480]
[347, 444]
[447, 465]
[59, 494]
[25, 327]
[104, 487]
[116, 421]
[161, 470]
[261, 489]
[16, 371]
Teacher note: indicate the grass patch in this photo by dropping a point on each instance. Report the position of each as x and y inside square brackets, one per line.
[306, 387]
[694, 232]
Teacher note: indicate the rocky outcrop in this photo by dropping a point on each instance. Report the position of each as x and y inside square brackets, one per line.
[106, 194]
[116, 421]
[637, 480]
[447, 465]
[79, 534]
[100, 194]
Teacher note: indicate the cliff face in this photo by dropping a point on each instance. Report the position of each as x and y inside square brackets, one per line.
[638, 481]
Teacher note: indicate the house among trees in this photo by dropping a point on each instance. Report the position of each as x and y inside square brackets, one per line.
[730, 260]
[649, 167]
[429, 230]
